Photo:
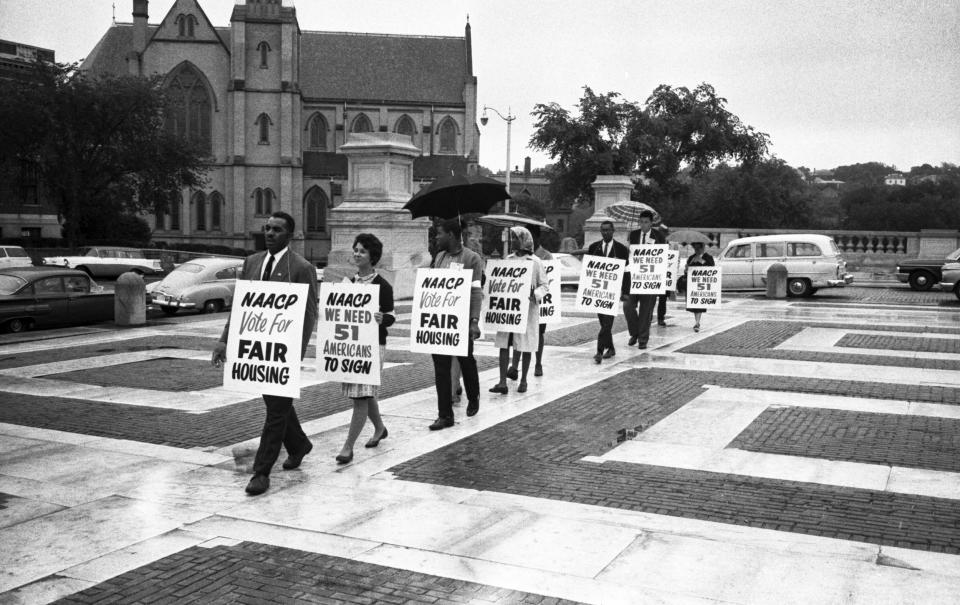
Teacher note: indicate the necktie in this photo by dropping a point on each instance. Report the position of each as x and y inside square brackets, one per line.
[643, 237]
[268, 270]
[606, 249]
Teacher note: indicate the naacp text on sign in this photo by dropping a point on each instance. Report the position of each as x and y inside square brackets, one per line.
[265, 338]
[440, 318]
[673, 266]
[550, 305]
[599, 287]
[648, 268]
[348, 336]
[703, 287]
[507, 303]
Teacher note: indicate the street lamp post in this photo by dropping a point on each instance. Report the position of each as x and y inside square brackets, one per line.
[506, 203]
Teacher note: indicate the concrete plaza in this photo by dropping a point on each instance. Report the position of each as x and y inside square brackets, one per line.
[793, 451]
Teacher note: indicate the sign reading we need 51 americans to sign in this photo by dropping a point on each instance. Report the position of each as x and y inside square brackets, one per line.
[599, 287]
[265, 337]
[648, 268]
[703, 287]
[348, 336]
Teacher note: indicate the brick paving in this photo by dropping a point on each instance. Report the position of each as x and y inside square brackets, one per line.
[539, 454]
[165, 374]
[900, 343]
[134, 345]
[891, 439]
[259, 573]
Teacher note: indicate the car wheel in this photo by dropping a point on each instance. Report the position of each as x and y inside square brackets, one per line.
[212, 306]
[18, 325]
[798, 286]
[171, 311]
[921, 280]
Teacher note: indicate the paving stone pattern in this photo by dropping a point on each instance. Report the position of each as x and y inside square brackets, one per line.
[567, 336]
[166, 374]
[890, 439]
[258, 573]
[539, 454]
[900, 343]
[757, 339]
[134, 345]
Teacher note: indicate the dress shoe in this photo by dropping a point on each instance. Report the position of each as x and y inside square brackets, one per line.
[472, 408]
[375, 441]
[662, 322]
[642, 345]
[293, 462]
[441, 423]
[499, 388]
[538, 370]
[633, 341]
[523, 387]
[258, 485]
[512, 373]
[598, 358]
[696, 328]
[341, 459]
[610, 353]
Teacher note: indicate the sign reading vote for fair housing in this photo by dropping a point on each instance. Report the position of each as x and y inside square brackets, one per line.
[550, 305]
[507, 303]
[440, 318]
[703, 287]
[673, 266]
[264, 341]
[599, 287]
[348, 336]
[648, 268]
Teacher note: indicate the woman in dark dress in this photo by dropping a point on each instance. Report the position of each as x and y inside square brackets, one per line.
[699, 258]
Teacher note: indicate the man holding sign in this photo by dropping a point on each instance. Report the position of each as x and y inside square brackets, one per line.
[606, 247]
[281, 426]
[638, 308]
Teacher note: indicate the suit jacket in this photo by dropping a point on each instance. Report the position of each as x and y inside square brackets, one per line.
[654, 236]
[617, 250]
[292, 268]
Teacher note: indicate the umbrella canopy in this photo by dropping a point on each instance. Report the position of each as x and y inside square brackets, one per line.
[689, 236]
[451, 196]
[629, 211]
[510, 219]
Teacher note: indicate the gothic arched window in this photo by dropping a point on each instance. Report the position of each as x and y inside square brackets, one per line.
[185, 24]
[268, 197]
[318, 132]
[200, 208]
[448, 135]
[405, 126]
[216, 211]
[361, 123]
[315, 209]
[188, 114]
[264, 122]
[264, 48]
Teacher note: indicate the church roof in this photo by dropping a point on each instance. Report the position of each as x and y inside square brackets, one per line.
[343, 66]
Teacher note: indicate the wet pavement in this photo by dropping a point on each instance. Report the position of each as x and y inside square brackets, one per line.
[792, 451]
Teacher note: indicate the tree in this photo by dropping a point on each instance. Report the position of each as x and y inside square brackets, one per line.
[676, 128]
[99, 144]
[862, 175]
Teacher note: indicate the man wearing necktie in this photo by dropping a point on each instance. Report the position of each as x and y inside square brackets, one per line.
[281, 427]
[611, 248]
[638, 308]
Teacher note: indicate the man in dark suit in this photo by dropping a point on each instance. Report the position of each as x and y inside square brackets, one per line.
[609, 247]
[281, 427]
[638, 308]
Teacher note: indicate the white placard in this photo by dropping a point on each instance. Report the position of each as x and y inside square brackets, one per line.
[348, 336]
[440, 317]
[648, 268]
[550, 305]
[703, 287]
[265, 338]
[507, 301]
[673, 269]
[599, 287]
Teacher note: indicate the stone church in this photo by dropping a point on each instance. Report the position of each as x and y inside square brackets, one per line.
[273, 104]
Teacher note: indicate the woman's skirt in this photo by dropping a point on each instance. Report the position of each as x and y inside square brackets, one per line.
[526, 341]
[358, 391]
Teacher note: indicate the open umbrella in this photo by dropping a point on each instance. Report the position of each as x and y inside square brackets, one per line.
[689, 236]
[451, 196]
[510, 219]
[629, 211]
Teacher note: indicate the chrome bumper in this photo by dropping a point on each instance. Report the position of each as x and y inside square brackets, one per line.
[846, 280]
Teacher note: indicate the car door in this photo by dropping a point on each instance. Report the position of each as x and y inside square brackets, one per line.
[85, 305]
[767, 253]
[226, 280]
[737, 264]
[50, 305]
[806, 260]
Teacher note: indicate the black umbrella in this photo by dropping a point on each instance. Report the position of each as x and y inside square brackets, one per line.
[451, 196]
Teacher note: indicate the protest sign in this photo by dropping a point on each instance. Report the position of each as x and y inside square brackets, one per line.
[265, 337]
[550, 305]
[673, 268]
[348, 336]
[703, 287]
[648, 268]
[599, 287]
[440, 317]
[507, 301]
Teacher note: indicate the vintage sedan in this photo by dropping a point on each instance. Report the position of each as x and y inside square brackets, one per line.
[50, 296]
[923, 273]
[950, 281]
[205, 284]
[108, 262]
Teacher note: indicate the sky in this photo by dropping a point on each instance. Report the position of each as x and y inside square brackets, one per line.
[831, 82]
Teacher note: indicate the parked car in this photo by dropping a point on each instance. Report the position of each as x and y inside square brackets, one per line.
[108, 262]
[14, 256]
[813, 261]
[206, 284]
[950, 280]
[47, 296]
[923, 273]
[570, 267]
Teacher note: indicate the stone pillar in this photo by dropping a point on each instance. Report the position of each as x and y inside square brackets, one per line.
[130, 300]
[608, 189]
[379, 183]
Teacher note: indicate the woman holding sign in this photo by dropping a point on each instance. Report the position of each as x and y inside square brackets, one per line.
[526, 342]
[699, 258]
[367, 250]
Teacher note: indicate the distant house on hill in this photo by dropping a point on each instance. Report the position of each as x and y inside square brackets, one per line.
[895, 179]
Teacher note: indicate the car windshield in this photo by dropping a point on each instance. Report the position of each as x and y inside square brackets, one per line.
[10, 284]
[17, 253]
[91, 252]
[955, 255]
